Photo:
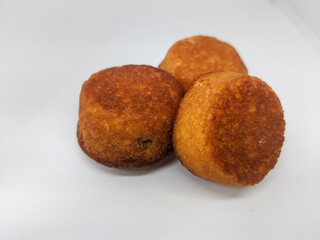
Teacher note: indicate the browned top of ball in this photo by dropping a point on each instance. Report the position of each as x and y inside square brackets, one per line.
[189, 58]
[239, 121]
[133, 91]
[126, 115]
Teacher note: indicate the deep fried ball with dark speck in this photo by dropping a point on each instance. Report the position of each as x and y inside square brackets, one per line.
[191, 57]
[229, 129]
[126, 116]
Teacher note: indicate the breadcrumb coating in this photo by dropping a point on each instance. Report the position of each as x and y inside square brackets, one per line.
[126, 116]
[189, 58]
[229, 129]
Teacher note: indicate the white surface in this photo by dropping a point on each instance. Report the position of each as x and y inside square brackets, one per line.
[305, 16]
[49, 189]
[307, 10]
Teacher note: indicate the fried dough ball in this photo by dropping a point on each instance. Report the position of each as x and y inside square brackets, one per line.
[189, 58]
[126, 116]
[229, 129]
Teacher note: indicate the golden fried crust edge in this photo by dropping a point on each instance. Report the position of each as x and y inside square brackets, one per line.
[128, 163]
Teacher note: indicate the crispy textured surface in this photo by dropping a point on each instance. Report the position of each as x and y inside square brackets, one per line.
[229, 129]
[126, 116]
[189, 58]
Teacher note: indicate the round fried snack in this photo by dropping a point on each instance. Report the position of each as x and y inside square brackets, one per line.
[126, 116]
[189, 58]
[229, 129]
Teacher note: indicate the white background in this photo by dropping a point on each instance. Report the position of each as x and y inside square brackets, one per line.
[49, 189]
[306, 10]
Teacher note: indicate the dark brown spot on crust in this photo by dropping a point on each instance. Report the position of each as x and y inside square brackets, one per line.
[144, 142]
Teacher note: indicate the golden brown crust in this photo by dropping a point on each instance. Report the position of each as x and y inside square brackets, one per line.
[126, 116]
[189, 58]
[127, 163]
[229, 129]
